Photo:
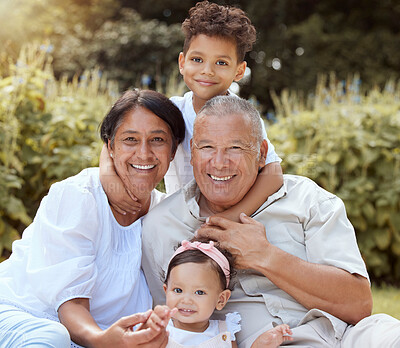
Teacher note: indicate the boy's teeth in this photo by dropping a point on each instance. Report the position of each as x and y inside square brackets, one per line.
[222, 178]
[149, 166]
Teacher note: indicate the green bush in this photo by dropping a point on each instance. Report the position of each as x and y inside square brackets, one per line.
[48, 131]
[349, 143]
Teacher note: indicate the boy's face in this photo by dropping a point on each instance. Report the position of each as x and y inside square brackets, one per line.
[209, 67]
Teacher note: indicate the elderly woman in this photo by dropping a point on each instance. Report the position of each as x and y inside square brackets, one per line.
[79, 261]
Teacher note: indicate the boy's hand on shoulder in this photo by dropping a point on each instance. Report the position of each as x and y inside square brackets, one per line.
[119, 197]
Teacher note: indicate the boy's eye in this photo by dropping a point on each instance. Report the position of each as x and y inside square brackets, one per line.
[197, 60]
[177, 290]
[221, 62]
[200, 292]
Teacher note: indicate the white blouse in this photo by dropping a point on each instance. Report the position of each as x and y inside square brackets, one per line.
[76, 249]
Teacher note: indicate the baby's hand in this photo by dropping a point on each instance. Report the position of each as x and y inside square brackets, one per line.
[159, 318]
[274, 337]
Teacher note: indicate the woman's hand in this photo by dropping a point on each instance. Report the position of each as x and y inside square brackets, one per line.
[118, 195]
[75, 316]
[121, 333]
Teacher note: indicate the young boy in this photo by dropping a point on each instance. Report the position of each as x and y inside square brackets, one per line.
[216, 41]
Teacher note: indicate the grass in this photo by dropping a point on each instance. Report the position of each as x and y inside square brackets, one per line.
[386, 300]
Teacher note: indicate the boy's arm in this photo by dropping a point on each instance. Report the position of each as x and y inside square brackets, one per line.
[268, 181]
[118, 196]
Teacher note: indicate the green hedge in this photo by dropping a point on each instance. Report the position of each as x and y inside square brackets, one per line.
[349, 143]
[48, 131]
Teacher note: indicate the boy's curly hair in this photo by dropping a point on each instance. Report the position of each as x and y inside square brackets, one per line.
[222, 21]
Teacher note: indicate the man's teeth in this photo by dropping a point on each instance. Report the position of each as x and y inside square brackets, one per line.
[149, 166]
[221, 178]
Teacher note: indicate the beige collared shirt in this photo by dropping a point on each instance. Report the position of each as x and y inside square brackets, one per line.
[301, 219]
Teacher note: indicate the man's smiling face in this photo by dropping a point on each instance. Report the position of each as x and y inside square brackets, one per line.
[225, 159]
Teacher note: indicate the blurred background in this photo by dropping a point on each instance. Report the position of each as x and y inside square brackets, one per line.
[323, 73]
[138, 41]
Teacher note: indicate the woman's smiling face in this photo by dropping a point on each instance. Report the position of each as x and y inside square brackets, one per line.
[142, 151]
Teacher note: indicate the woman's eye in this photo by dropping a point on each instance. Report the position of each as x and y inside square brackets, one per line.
[178, 290]
[200, 292]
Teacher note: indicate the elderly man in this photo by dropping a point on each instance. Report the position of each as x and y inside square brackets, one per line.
[297, 257]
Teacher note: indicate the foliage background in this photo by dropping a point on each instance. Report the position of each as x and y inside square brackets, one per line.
[135, 41]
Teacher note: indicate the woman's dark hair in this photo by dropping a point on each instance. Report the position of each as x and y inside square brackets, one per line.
[220, 21]
[197, 256]
[153, 101]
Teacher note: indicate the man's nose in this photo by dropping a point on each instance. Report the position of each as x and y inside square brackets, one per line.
[220, 159]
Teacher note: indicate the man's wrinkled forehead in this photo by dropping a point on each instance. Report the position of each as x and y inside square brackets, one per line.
[218, 121]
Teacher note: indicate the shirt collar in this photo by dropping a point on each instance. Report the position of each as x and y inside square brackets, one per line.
[192, 194]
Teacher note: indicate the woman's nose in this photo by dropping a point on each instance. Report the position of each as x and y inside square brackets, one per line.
[144, 150]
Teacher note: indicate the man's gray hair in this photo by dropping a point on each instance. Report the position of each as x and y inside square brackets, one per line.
[231, 105]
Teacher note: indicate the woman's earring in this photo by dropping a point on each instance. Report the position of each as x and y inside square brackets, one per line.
[111, 155]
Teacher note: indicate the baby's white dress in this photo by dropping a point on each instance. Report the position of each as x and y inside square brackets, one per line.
[219, 333]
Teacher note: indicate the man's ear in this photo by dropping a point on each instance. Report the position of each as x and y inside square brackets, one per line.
[223, 298]
[240, 71]
[191, 152]
[165, 287]
[181, 62]
[263, 153]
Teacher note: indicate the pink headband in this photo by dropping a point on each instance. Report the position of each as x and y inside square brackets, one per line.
[210, 250]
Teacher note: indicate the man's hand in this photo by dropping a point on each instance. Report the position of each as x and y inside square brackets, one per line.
[245, 240]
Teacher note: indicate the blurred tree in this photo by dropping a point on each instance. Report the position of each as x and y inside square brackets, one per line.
[297, 39]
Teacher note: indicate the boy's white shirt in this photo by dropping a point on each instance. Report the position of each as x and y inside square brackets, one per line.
[180, 171]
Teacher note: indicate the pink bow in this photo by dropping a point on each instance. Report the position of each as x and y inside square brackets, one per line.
[210, 250]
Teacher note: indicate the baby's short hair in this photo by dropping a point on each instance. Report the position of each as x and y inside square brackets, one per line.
[221, 21]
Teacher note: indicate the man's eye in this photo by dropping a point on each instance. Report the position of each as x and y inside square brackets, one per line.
[178, 290]
[130, 139]
[200, 292]
[158, 139]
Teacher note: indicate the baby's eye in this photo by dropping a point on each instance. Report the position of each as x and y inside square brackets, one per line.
[177, 290]
[200, 292]
[197, 60]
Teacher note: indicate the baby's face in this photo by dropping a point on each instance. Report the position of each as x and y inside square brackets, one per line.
[195, 290]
